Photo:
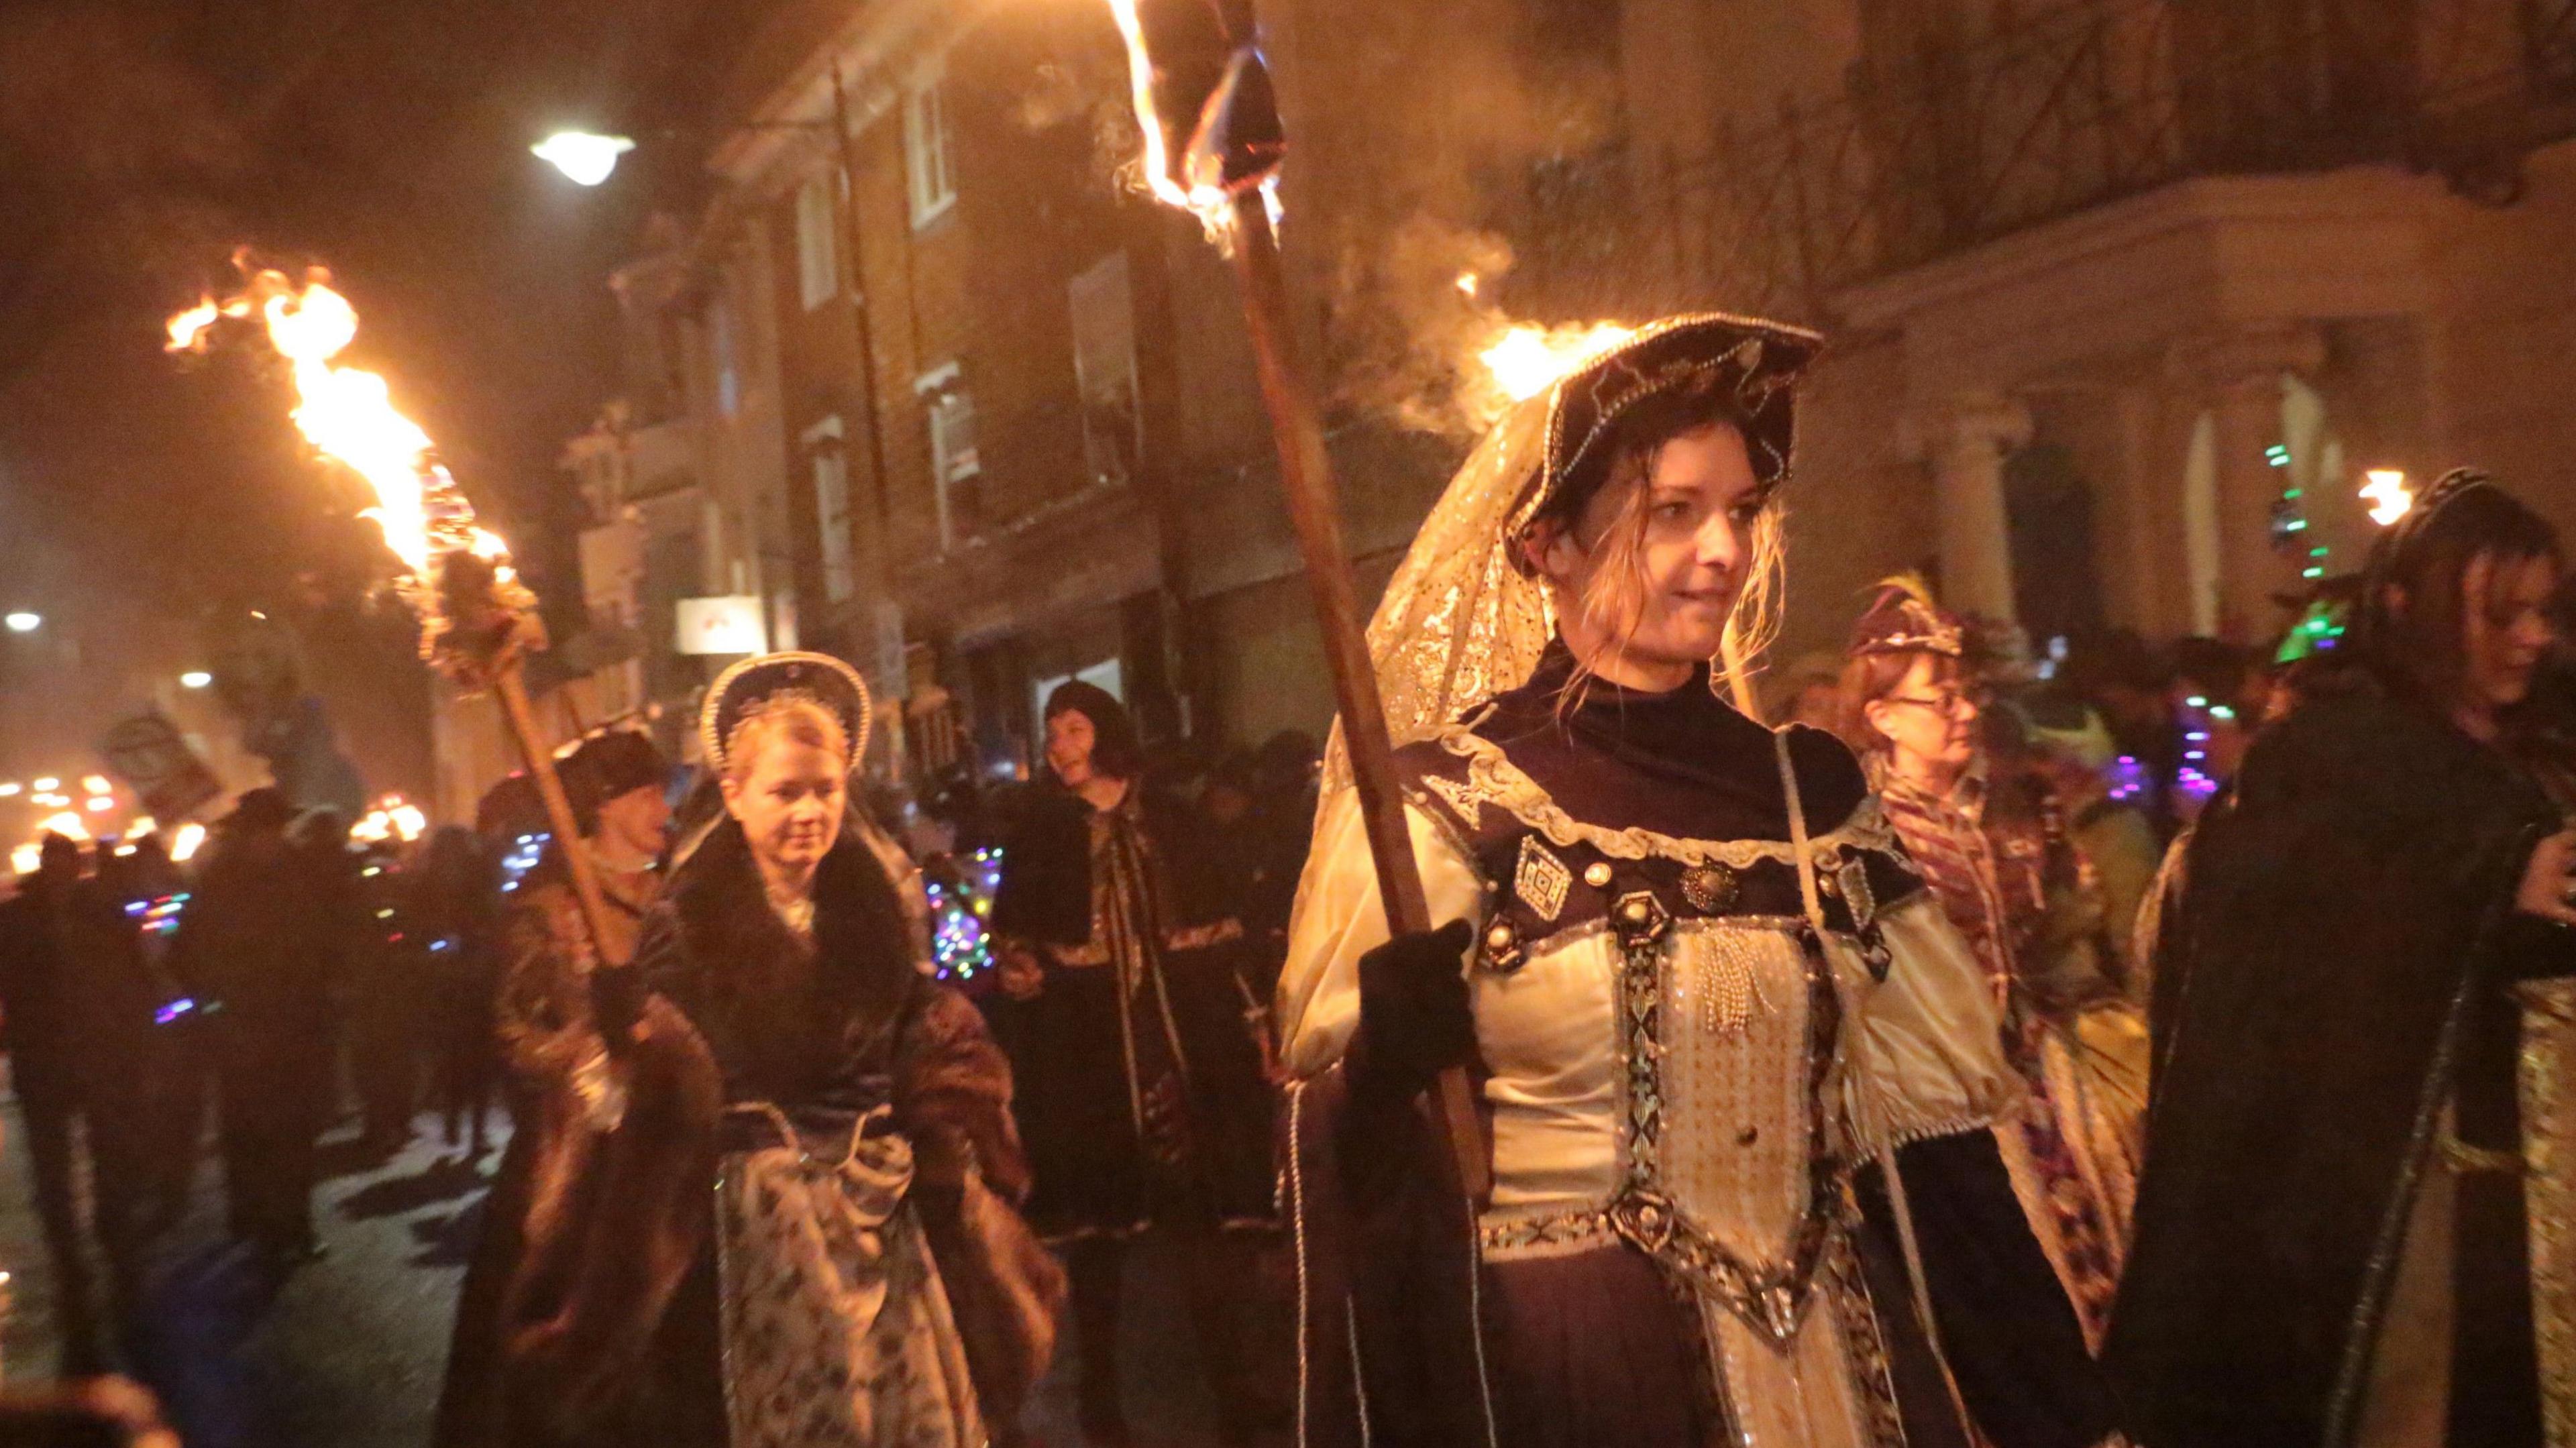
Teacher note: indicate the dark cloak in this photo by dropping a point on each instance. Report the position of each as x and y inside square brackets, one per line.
[589, 1313]
[2334, 971]
[1094, 1173]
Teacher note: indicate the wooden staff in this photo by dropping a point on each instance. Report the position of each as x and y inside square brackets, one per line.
[1314, 508]
[510, 687]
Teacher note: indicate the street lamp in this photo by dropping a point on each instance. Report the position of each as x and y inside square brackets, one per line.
[584, 158]
[195, 679]
[587, 159]
[24, 622]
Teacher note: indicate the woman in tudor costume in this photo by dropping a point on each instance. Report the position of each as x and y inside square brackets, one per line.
[1709, 1002]
[1993, 845]
[776, 1206]
[2331, 1238]
[1142, 1095]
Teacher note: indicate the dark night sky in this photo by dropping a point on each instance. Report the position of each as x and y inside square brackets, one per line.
[142, 140]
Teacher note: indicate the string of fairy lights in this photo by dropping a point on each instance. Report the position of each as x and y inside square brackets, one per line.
[961, 916]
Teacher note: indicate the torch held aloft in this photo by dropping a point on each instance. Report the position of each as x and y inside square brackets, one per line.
[1314, 509]
[511, 689]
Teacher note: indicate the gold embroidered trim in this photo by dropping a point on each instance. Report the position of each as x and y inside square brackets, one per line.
[1493, 779]
[2546, 1089]
[1195, 937]
[1874, 1377]
[1200, 937]
[1560, 1234]
[1768, 1297]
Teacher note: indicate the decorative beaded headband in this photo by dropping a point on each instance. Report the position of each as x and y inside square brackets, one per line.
[1761, 360]
[758, 686]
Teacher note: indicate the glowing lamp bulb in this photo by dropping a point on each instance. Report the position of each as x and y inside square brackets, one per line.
[12, 790]
[97, 784]
[185, 846]
[585, 159]
[24, 622]
[48, 785]
[195, 679]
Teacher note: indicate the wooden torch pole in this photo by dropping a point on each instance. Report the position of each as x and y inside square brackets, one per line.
[511, 688]
[1314, 508]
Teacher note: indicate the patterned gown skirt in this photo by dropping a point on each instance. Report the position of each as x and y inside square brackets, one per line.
[836, 1327]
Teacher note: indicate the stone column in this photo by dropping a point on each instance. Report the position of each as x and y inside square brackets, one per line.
[2235, 375]
[1966, 438]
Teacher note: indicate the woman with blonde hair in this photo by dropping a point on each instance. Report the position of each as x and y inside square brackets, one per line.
[797, 1225]
[1709, 1005]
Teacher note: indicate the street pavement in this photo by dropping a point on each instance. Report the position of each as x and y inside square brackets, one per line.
[348, 1350]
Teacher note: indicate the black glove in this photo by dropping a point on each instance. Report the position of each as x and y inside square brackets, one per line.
[1414, 1018]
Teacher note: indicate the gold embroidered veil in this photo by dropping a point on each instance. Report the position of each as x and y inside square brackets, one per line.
[1461, 621]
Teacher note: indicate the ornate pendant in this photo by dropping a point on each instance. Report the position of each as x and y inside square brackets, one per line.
[1854, 875]
[1709, 888]
[1542, 879]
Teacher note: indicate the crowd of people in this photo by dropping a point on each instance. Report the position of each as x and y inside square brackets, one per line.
[2041, 1049]
[240, 998]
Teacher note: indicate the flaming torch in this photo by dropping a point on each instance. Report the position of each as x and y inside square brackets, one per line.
[478, 622]
[1195, 62]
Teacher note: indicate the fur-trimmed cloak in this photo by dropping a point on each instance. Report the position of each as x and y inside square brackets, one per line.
[588, 1315]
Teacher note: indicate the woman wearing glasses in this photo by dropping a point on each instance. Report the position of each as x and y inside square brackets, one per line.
[1993, 846]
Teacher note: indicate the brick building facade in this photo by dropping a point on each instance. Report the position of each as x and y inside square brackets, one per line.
[2119, 290]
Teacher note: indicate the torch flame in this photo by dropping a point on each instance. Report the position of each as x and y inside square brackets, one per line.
[1202, 196]
[1528, 360]
[2387, 494]
[349, 416]
[190, 325]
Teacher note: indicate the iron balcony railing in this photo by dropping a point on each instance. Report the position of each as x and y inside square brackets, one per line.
[1943, 147]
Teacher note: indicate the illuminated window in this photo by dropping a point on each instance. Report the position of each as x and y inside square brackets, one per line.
[1104, 366]
[832, 510]
[954, 466]
[818, 264]
[930, 168]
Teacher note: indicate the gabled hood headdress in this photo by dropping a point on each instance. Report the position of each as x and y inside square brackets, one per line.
[1461, 620]
[754, 684]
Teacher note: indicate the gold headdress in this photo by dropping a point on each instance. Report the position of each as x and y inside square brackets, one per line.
[1905, 619]
[756, 685]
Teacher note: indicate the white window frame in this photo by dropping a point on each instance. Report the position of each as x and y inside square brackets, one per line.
[818, 251]
[832, 513]
[947, 410]
[725, 354]
[930, 165]
[1101, 302]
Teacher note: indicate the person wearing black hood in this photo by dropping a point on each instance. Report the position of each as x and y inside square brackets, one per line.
[2331, 1244]
[1141, 1092]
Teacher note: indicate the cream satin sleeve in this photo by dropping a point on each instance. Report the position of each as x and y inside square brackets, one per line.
[1928, 1057]
[1339, 917]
